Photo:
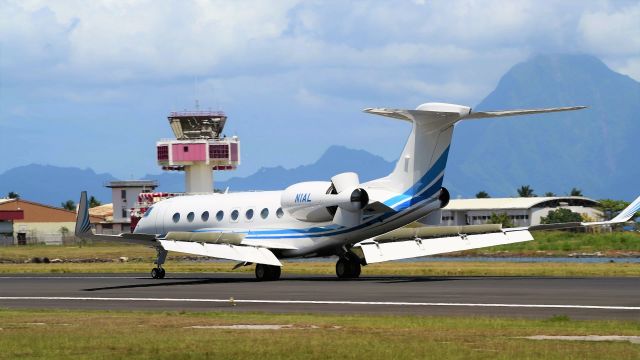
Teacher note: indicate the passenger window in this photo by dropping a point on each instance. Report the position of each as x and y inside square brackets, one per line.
[190, 216]
[220, 215]
[249, 214]
[234, 215]
[205, 216]
[279, 213]
[264, 213]
[176, 217]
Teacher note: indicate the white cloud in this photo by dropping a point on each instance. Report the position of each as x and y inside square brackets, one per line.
[269, 59]
[612, 32]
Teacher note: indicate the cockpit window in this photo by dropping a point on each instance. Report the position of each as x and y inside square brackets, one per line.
[146, 213]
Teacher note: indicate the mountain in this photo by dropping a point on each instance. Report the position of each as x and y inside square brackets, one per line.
[593, 149]
[53, 185]
[336, 160]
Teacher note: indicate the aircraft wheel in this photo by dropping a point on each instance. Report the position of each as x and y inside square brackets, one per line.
[348, 269]
[157, 273]
[162, 273]
[267, 272]
[356, 269]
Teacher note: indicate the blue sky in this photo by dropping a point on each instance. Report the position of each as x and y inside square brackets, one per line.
[89, 83]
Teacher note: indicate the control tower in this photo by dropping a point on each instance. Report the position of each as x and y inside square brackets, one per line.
[198, 148]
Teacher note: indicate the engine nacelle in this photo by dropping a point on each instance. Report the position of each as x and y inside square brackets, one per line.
[313, 201]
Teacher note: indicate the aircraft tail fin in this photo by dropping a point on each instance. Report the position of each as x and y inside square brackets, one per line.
[83, 224]
[422, 163]
[626, 214]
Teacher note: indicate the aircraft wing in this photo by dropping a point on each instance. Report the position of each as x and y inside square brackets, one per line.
[221, 245]
[412, 242]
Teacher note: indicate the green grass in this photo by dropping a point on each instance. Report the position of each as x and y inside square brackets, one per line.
[546, 243]
[328, 268]
[561, 243]
[28, 334]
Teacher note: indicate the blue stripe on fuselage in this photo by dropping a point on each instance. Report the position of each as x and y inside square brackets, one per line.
[402, 202]
[424, 181]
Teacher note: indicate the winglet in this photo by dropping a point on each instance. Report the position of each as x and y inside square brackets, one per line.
[83, 225]
[626, 214]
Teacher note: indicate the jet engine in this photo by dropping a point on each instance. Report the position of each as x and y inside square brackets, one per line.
[340, 200]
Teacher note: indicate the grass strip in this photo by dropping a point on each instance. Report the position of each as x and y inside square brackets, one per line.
[327, 268]
[58, 334]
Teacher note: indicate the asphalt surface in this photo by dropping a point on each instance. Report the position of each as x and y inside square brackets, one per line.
[579, 298]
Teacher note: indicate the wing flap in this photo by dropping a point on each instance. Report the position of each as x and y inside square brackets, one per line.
[413, 232]
[251, 254]
[208, 237]
[375, 252]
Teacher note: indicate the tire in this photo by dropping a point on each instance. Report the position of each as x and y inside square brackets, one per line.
[356, 269]
[348, 268]
[343, 269]
[267, 272]
[155, 273]
[162, 273]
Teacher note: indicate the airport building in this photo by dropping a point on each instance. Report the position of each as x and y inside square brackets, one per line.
[523, 211]
[125, 195]
[26, 222]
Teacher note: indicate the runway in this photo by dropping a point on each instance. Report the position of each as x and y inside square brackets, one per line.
[537, 297]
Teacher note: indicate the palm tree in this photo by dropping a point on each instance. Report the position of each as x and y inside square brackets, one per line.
[93, 202]
[482, 195]
[526, 191]
[576, 192]
[69, 205]
[13, 195]
[549, 194]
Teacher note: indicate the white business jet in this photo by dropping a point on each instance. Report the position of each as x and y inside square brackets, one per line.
[361, 223]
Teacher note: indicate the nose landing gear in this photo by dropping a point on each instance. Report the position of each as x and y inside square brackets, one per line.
[158, 272]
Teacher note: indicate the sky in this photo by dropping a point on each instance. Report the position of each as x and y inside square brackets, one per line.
[90, 83]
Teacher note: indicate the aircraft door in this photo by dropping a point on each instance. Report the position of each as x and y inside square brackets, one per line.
[160, 211]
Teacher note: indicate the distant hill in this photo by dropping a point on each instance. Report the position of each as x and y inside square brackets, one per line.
[53, 185]
[593, 149]
[335, 160]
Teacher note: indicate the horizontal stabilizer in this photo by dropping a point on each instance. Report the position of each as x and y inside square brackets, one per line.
[250, 254]
[449, 113]
[492, 114]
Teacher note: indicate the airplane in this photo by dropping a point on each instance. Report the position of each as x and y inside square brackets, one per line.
[361, 223]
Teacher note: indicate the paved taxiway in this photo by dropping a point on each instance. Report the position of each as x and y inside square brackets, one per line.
[580, 298]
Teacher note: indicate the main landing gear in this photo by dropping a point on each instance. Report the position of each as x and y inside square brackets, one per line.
[267, 272]
[348, 267]
[158, 272]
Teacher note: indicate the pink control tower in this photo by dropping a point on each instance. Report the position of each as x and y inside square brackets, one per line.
[198, 148]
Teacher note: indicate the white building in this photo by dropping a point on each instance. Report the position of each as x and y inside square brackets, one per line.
[124, 195]
[523, 211]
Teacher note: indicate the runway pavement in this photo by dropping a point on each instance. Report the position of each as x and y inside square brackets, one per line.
[579, 298]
